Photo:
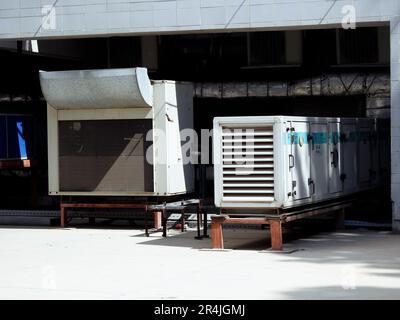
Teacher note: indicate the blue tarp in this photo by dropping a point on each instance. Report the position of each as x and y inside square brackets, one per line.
[15, 136]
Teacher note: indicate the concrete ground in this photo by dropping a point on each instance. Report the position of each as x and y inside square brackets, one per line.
[40, 262]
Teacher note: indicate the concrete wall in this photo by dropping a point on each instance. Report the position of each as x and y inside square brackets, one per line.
[25, 18]
[395, 119]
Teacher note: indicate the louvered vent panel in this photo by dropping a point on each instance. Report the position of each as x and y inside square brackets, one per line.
[248, 164]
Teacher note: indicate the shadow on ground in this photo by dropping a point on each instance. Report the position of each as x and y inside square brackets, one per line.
[349, 293]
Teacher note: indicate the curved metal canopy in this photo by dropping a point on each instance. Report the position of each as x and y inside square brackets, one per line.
[101, 88]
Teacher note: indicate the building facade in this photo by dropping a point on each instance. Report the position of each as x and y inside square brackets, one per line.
[67, 19]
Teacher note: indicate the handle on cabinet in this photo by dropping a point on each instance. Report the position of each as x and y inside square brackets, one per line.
[311, 181]
[291, 161]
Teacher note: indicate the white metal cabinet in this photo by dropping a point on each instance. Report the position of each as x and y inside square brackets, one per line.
[300, 168]
[122, 95]
[314, 159]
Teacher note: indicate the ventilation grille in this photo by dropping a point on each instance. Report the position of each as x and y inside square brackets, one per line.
[248, 164]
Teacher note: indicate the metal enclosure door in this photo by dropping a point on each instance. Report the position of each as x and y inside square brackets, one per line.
[176, 181]
[289, 139]
[319, 159]
[335, 161]
[364, 153]
[300, 160]
[349, 156]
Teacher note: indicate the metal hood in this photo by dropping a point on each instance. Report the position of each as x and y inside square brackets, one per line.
[95, 89]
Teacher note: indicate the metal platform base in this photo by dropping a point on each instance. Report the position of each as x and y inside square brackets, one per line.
[275, 221]
[30, 213]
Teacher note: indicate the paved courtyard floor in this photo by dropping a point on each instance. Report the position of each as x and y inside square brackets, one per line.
[41, 262]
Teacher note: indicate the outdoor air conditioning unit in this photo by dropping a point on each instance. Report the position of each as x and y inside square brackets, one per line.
[281, 162]
[115, 132]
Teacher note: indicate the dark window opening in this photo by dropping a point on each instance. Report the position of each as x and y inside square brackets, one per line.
[358, 46]
[124, 52]
[267, 48]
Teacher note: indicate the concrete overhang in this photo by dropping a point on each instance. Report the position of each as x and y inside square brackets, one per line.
[97, 89]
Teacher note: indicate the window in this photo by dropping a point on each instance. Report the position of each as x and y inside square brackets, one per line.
[266, 48]
[358, 46]
[15, 137]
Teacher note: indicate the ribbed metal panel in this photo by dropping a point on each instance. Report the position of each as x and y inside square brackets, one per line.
[248, 164]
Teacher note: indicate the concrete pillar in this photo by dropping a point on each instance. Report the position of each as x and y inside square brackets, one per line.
[384, 45]
[395, 120]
